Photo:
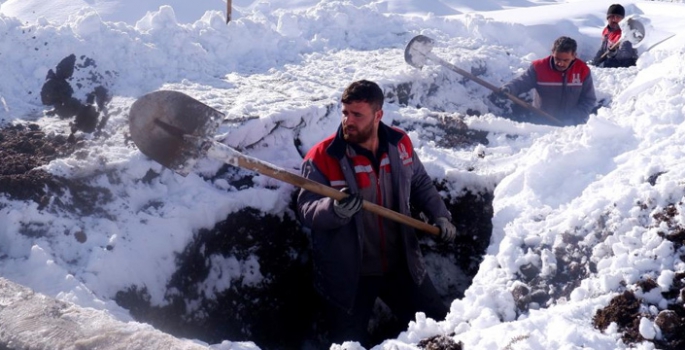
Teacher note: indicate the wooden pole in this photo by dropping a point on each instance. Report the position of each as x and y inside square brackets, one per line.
[228, 11]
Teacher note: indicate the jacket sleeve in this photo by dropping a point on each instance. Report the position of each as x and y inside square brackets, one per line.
[424, 195]
[315, 210]
[602, 49]
[586, 102]
[625, 51]
[523, 82]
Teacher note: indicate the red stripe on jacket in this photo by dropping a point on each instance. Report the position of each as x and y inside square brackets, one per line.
[548, 75]
[330, 166]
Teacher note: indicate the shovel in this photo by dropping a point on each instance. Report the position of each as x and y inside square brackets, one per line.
[176, 130]
[419, 50]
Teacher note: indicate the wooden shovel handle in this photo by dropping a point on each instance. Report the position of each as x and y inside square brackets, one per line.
[480, 81]
[613, 47]
[222, 152]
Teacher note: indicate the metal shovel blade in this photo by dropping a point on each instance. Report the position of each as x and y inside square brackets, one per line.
[632, 30]
[416, 52]
[166, 126]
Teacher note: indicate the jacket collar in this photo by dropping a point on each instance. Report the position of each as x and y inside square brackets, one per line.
[618, 29]
[554, 68]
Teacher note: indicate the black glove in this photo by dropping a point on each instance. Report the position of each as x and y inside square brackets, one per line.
[447, 230]
[349, 205]
[613, 50]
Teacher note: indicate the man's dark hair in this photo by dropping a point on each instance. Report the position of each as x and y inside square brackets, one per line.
[616, 9]
[565, 44]
[364, 91]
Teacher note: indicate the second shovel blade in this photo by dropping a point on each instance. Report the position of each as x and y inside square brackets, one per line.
[416, 52]
[158, 122]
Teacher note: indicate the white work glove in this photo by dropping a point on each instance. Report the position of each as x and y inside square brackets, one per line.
[349, 205]
[447, 230]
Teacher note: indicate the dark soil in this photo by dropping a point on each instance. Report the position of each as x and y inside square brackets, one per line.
[439, 342]
[23, 148]
[624, 308]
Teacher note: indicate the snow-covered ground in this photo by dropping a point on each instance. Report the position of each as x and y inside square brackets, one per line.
[277, 71]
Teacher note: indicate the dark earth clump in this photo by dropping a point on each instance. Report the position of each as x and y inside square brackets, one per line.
[572, 266]
[439, 342]
[448, 131]
[57, 91]
[624, 311]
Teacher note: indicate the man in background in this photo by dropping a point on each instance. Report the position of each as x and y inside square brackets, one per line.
[613, 52]
[562, 84]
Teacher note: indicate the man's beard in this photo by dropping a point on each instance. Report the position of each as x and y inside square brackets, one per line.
[360, 135]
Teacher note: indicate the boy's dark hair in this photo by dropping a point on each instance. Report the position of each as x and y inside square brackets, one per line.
[565, 44]
[364, 91]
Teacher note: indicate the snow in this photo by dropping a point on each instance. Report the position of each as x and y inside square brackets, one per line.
[278, 68]
[647, 328]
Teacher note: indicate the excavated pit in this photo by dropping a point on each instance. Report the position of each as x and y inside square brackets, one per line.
[281, 310]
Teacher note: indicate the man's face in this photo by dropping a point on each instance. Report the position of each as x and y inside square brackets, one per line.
[612, 21]
[360, 121]
[562, 60]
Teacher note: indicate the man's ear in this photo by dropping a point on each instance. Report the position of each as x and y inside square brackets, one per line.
[379, 115]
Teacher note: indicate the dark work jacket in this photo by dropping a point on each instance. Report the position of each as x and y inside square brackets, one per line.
[624, 56]
[337, 243]
[569, 95]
